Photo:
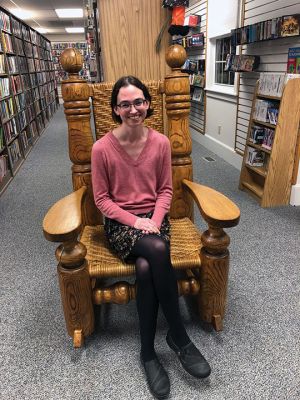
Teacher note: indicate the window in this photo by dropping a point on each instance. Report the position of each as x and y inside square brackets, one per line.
[223, 47]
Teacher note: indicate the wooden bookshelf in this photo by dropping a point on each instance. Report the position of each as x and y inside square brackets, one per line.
[28, 92]
[271, 183]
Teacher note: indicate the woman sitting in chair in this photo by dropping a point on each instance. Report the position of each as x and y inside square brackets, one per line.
[132, 183]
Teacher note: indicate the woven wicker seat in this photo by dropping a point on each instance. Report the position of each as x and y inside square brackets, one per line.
[85, 260]
[102, 263]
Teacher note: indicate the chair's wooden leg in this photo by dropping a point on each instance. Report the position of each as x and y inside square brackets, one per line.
[76, 292]
[78, 338]
[214, 276]
[217, 322]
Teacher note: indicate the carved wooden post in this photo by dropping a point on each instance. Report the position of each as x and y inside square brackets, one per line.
[177, 90]
[76, 290]
[214, 276]
[76, 93]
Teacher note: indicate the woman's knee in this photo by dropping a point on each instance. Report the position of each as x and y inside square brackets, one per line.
[160, 246]
[143, 269]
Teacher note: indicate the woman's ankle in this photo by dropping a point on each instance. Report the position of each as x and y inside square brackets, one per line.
[148, 355]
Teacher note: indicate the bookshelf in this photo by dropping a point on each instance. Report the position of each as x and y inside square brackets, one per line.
[269, 160]
[28, 93]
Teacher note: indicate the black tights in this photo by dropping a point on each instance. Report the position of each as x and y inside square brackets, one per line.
[156, 284]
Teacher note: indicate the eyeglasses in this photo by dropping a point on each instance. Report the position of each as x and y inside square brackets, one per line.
[137, 104]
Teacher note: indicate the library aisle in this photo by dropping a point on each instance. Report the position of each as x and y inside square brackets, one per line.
[255, 357]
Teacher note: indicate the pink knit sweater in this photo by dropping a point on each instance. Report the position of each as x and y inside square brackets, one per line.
[124, 187]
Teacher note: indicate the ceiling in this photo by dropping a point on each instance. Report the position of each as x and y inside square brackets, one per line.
[44, 14]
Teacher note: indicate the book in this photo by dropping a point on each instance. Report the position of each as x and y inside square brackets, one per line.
[290, 25]
[293, 62]
[241, 63]
[255, 158]
[198, 95]
[268, 138]
[257, 134]
[271, 84]
[1, 138]
[3, 166]
[198, 80]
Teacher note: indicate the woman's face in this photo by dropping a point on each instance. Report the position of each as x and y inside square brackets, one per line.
[131, 105]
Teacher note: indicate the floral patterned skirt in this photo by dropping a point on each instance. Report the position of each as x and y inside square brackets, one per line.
[122, 237]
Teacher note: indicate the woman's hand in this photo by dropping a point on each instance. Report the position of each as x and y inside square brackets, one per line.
[146, 225]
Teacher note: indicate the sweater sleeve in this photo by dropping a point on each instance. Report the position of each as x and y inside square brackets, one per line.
[100, 181]
[164, 188]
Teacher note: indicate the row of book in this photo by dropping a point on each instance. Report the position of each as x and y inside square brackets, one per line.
[262, 136]
[241, 63]
[65, 45]
[1, 138]
[6, 40]
[287, 25]
[254, 157]
[3, 166]
[6, 109]
[12, 64]
[4, 87]
[272, 84]
[2, 64]
[20, 100]
[16, 84]
[197, 80]
[33, 64]
[194, 66]
[16, 27]
[25, 139]
[15, 151]
[4, 22]
[9, 130]
[195, 40]
[18, 49]
[197, 94]
[266, 111]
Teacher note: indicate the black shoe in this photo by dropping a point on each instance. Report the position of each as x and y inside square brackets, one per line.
[157, 378]
[191, 358]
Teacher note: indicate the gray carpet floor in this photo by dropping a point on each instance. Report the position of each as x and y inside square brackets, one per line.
[255, 357]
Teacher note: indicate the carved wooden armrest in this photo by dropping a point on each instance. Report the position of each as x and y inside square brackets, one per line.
[62, 222]
[216, 209]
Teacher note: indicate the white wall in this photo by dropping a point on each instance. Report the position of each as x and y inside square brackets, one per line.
[221, 100]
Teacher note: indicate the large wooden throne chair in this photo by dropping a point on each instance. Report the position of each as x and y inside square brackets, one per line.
[85, 262]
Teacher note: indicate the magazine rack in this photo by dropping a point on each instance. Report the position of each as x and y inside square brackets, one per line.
[84, 258]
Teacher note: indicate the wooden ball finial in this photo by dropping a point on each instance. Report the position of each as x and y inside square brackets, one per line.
[175, 56]
[71, 60]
